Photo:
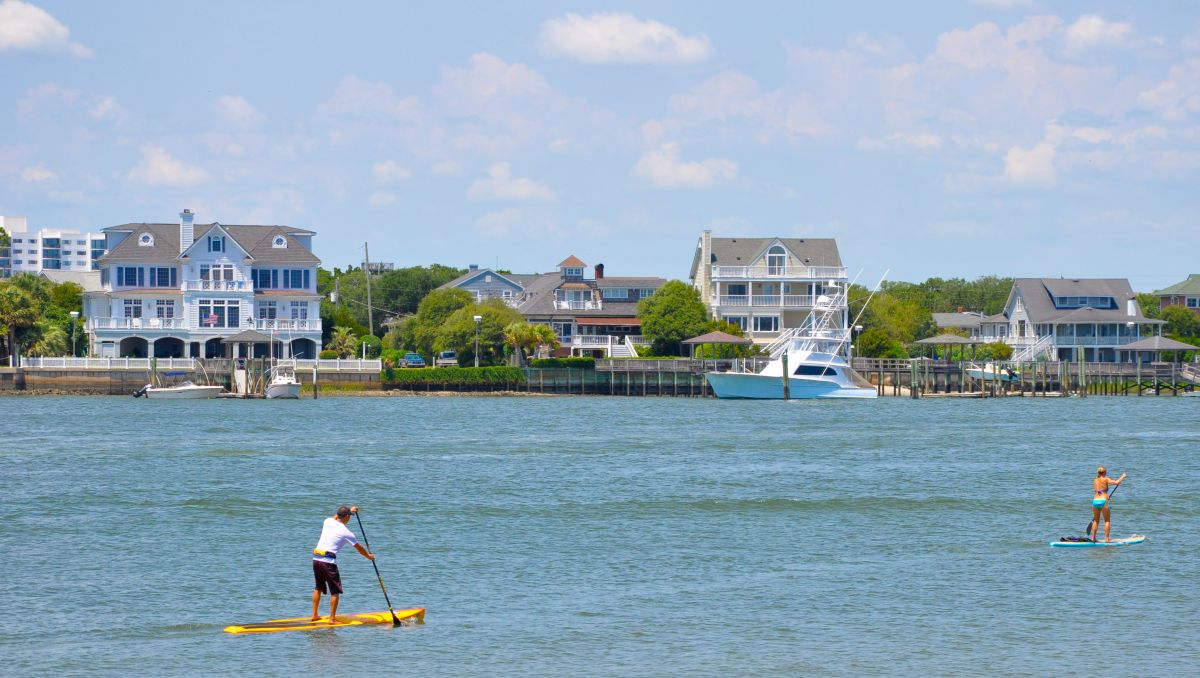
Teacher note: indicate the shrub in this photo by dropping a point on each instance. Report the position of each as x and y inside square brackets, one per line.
[454, 376]
[583, 363]
[327, 355]
[374, 344]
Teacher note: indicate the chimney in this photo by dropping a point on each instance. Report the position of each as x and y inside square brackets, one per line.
[599, 271]
[185, 230]
[704, 266]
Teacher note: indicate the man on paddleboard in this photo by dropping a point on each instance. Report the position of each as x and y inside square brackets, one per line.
[1100, 504]
[334, 535]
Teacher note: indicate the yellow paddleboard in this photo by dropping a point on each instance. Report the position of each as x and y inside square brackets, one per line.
[415, 615]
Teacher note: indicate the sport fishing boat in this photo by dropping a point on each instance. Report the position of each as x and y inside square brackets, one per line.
[806, 362]
[283, 382]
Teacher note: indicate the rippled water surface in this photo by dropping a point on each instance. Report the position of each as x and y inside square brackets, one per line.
[602, 536]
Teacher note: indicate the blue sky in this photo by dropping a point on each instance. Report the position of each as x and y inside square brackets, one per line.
[964, 138]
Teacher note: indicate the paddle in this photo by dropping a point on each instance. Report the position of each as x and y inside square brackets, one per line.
[1089, 527]
[395, 619]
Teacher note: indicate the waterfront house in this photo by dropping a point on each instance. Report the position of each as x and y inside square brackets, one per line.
[178, 290]
[961, 320]
[768, 285]
[1185, 294]
[594, 316]
[1070, 319]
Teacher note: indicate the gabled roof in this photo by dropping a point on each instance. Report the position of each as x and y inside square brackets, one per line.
[1191, 286]
[88, 280]
[255, 240]
[1038, 296]
[572, 261]
[472, 274]
[744, 251]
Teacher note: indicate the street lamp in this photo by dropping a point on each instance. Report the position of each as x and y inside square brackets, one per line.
[74, 317]
[478, 319]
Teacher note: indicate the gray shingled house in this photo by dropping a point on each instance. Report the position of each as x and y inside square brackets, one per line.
[1069, 319]
[767, 285]
[594, 316]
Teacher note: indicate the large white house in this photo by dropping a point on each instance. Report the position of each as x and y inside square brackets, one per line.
[768, 285]
[178, 290]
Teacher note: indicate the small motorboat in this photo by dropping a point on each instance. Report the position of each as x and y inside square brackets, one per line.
[283, 382]
[990, 372]
[185, 390]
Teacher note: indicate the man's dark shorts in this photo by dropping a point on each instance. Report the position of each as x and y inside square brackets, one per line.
[328, 579]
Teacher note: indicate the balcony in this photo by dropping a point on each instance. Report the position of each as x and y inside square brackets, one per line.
[765, 300]
[135, 324]
[284, 325]
[778, 272]
[218, 286]
[563, 305]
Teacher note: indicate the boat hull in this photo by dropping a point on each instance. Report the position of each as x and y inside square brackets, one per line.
[283, 391]
[184, 393]
[734, 385]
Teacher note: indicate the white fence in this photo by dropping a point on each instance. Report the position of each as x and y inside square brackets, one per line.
[348, 365]
[107, 363]
[800, 272]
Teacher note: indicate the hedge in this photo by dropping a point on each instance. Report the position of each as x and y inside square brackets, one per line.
[452, 376]
[585, 363]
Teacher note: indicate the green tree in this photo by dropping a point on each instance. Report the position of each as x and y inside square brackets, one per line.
[52, 340]
[19, 312]
[876, 343]
[420, 332]
[343, 342]
[374, 345]
[457, 333]
[524, 338]
[1150, 304]
[673, 313]
[1181, 322]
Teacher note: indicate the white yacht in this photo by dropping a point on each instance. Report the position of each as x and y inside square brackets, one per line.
[811, 356]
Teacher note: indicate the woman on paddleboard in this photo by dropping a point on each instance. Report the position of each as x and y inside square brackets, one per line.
[1100, 505]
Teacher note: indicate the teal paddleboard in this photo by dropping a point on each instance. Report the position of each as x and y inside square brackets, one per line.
[1127, 541]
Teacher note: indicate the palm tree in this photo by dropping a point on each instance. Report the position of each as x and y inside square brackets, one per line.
[19, 311]
[53, 340]
[343, 341]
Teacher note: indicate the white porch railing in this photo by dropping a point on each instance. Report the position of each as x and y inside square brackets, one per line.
[352, 364]
[107, 363]
[285, 324]
[218, 286]
[779, 272]
[766, 300]
[135, 324]
[1035, 349]
[561, 305]
[592, 341]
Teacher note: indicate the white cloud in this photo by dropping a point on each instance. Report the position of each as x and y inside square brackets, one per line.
[382, 199]
[501, 185]
[1178, 96]
[620, 38]
[1031, 166]
[158, 168]
[1090, 31]
[922, 141]
[486, 83]
[444, 168]
[388, 172]
[663, 168]
[511, 221]
[38, 172]
[26, 28]
[358, 98]
[235, 111]
[499, 224]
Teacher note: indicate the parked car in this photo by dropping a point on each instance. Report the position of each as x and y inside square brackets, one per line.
[412, 360]
[446, 359]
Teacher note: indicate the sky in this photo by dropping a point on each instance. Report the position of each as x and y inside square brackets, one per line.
[951, 139]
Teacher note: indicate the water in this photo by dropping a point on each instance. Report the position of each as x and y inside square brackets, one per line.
[602, 536]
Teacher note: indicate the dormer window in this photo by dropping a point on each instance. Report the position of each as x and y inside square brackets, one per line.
[775, 260]
[216, 243]
[279, 242]
[145, 240]
[571, 272]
